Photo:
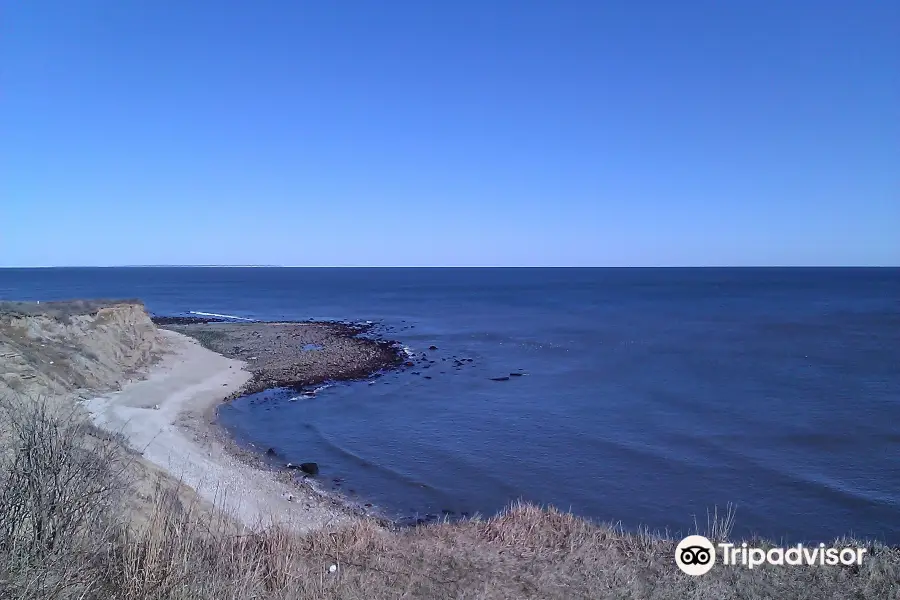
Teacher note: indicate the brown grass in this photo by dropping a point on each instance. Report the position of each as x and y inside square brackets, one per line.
[61, 310]
[68, 532]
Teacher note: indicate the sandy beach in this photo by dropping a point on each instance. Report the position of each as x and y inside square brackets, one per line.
[170, 417]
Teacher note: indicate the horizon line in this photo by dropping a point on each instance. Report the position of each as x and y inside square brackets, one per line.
[213, 266]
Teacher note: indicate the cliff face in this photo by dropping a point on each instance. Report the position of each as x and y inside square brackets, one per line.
[59, 347]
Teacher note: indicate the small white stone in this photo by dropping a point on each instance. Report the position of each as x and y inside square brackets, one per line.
[332, 568]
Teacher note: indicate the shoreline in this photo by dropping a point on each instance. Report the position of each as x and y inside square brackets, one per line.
[167, 416]
[171, 415]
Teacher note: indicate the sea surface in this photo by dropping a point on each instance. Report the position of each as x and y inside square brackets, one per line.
[650, 396]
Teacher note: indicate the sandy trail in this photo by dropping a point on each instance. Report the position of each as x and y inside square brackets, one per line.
[179, 437]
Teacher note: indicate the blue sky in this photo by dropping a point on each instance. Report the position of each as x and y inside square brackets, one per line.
[453, 133]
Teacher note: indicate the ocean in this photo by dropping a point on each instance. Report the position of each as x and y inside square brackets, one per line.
[648, 396]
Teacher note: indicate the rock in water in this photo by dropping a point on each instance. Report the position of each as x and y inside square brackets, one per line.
[310, 467]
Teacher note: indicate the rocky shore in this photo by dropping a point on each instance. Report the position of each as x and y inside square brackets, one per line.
[298, 355]
[291, 354]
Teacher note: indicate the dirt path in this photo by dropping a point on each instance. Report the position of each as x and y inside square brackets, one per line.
[168, 415]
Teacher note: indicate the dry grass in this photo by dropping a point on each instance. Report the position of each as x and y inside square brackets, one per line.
[67, 533]
[61, 310]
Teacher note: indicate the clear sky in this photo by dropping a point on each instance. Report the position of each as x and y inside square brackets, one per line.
[463, 132]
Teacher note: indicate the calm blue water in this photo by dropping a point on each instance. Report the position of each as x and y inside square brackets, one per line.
[651, 395]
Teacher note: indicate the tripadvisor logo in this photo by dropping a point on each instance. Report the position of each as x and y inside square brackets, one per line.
[696, 555]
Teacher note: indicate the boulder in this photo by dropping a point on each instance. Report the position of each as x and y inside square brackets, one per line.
[310, 468]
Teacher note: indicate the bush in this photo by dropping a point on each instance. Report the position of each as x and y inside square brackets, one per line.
[55, 480]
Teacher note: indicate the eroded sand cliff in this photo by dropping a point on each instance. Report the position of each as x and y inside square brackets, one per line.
[58, 347]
